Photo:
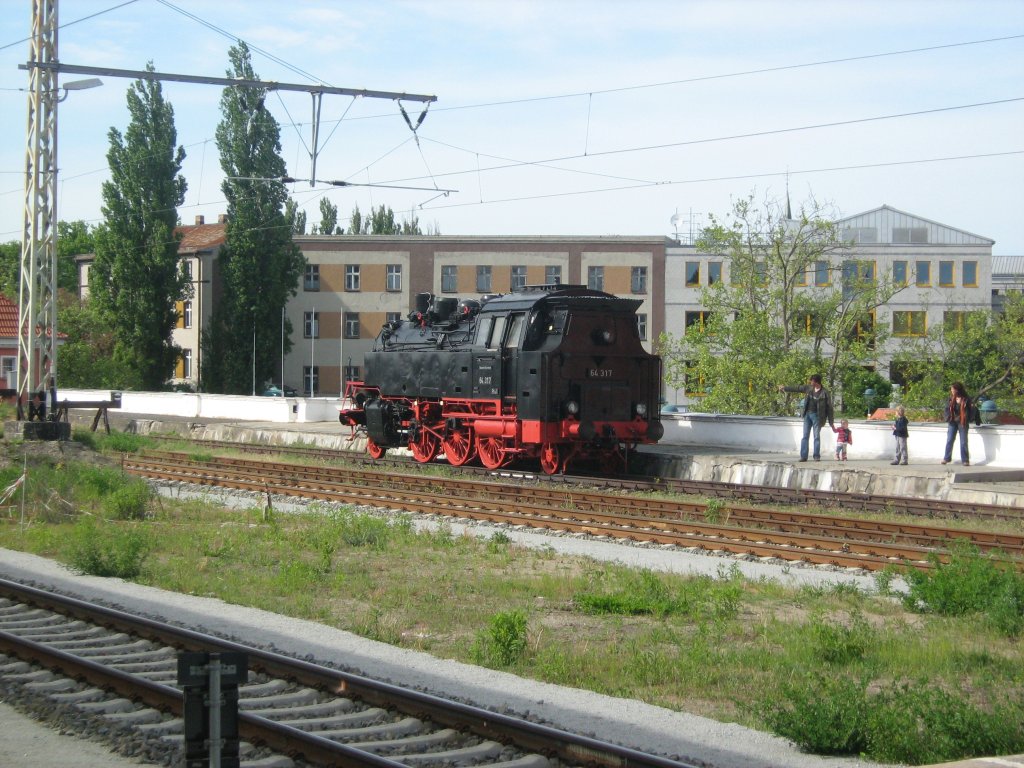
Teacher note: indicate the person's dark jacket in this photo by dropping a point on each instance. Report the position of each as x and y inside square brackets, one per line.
[819, 402]
[955, 414]
[901, 427]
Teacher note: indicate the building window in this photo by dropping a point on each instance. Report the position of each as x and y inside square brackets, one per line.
[351, 325]
[394, 277]
[449, 279]
[311, 325]
[909, 323]
[312, 281]
[694, 385]
[899, 272]
[186, 269]
[186, 363]
[863, 330]
[970, 274]
[552, 275]
[760, 273]
[8, 370]
[692, 273]
[698, 319]
[310, 380]
[186, 314]
[821, 274]
[714, 272]
[946, 274]
[641, 325]
[517, 278]
[638, 280]
[923, 273]
[856, 274]
[352, 281]
[953, 321]
[595, 278]
[903, 235]
[392, 317]
[483, 279]
[351, 373]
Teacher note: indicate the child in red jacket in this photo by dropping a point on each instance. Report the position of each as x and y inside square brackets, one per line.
[844, 437]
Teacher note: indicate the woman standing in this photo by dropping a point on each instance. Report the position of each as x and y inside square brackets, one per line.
[958, 415]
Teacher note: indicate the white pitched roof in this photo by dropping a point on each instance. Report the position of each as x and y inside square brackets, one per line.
[1008, 267]
[887, 225]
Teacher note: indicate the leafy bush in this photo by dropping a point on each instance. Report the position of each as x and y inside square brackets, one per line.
[837, 643]
[129, 502]
[107, 549]
[970, 583]
[504, 641]
[834, 715]
[823, 714]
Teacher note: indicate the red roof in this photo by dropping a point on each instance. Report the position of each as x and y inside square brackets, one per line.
[201, 237]
[8, 318]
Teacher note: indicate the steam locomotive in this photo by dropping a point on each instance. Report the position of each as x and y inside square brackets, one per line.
[554, 372]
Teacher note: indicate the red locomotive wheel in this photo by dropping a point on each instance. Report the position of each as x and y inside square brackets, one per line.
[491, 454]
[550, 458]
[425, 447]
[375, 451]
[458, 447]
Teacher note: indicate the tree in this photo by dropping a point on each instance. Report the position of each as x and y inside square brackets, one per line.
[382, 222]
[295, 216]
[73, 238]
[260, 266]
[87, 358]
[328, 217]
[983, 349]
[136, 279]
[766, 325]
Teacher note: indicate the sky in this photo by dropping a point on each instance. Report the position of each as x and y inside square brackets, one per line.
[566, 117]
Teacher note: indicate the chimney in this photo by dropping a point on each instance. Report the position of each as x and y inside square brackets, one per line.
[222, 218]
[200, 220]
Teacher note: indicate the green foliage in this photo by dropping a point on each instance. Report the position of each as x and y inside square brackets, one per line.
[381, 221]
[764, 326]
[836, 643]
[129, 502]
[136, 280]
[638, 593]
[985, 352]
[914, 724]
[855, 382]
[970, 583]
[108, 549]
[260, 265]
[498, 543]
[87, 358]
[823, 714]
[123, 442]
[505, 640]
[328, 218]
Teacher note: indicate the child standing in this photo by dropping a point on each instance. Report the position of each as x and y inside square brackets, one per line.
[844, 437]
[901, 431]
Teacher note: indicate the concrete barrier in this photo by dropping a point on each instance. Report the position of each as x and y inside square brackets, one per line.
[200, 405]
[990, 444]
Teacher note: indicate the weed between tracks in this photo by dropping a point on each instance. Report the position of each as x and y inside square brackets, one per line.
[936, 675]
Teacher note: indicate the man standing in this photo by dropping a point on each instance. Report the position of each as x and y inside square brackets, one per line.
[817, 411]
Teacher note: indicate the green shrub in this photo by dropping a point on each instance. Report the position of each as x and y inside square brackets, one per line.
[837, 643]
[970, 583]
[503, 643]
[129, 502]
[123, 442]
[107, 549]
[823, 714]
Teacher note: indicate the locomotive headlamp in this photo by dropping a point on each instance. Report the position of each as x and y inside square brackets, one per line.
[572, 407]
[641, 409]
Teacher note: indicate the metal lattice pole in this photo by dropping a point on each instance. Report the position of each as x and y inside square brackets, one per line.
[37, 309]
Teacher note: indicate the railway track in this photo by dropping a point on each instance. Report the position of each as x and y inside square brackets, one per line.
[118, 670]
[823, 539]
[929, 508]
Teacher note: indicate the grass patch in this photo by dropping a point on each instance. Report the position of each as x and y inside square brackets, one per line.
[833, 667]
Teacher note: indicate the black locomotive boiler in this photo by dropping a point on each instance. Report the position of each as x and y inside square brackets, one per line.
[554, 372]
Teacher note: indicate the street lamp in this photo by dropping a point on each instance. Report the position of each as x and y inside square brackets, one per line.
[80, 85]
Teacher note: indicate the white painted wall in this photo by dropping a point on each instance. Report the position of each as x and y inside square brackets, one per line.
[206, 406]
[991, 445]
